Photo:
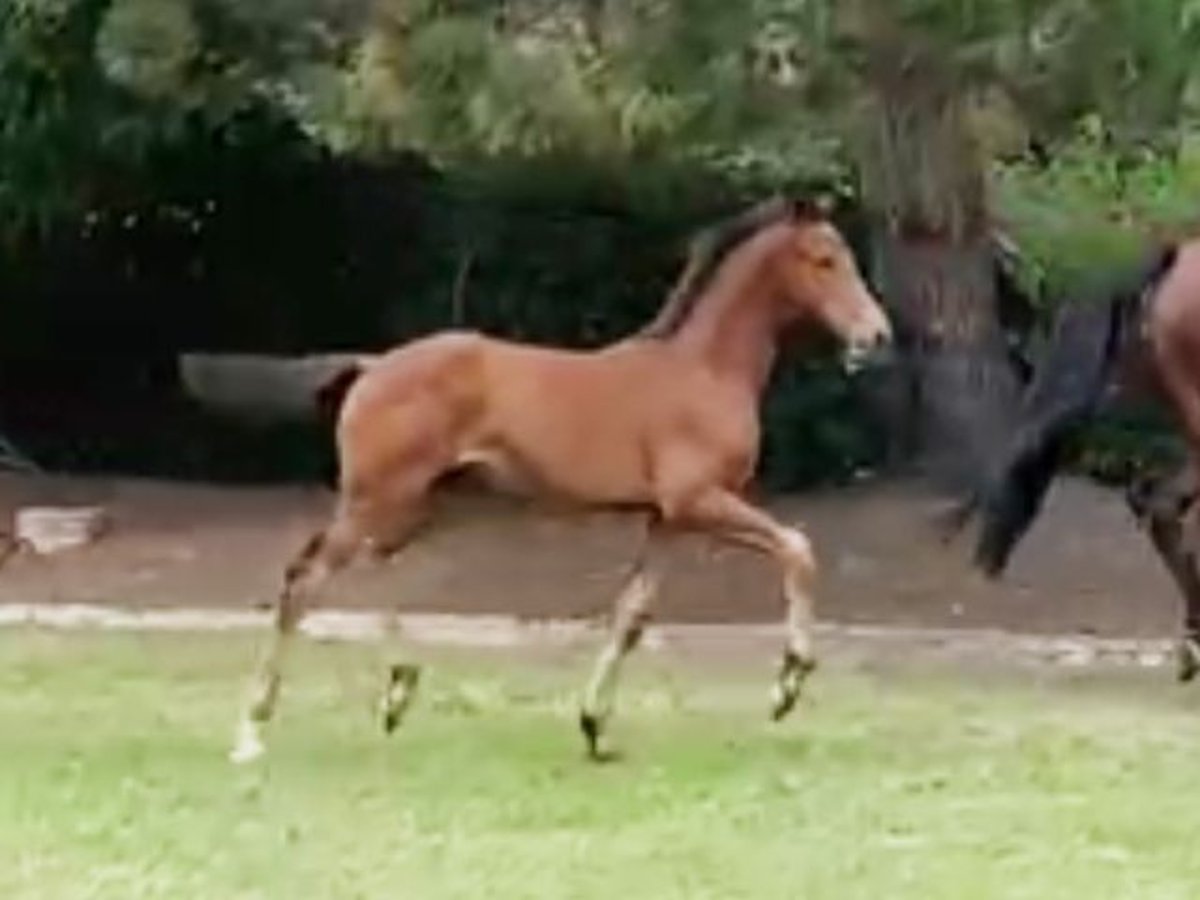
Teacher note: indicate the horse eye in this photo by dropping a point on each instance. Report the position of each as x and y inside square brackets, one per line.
[825, 262]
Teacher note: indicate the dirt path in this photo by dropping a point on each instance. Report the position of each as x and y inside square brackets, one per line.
[1084, 569]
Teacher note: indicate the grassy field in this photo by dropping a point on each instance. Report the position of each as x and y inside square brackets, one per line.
[113, 783]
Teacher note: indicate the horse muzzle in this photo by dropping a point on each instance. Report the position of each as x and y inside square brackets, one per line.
[876, 353]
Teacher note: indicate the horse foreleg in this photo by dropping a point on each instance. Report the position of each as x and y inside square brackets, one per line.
[321, 556]
[733, 519]
[631, 612]
[401, 677]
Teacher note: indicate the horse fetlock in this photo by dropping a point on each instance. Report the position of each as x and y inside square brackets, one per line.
[793, 672]
[262, 705]
[1188, 658]
[398, 695]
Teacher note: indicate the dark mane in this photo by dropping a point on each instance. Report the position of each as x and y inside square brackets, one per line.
[708, 249]
[1087, 343]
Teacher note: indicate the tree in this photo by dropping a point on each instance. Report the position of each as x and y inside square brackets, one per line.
[914, 79]
[91, 90]
[900, 95]
[775, 88]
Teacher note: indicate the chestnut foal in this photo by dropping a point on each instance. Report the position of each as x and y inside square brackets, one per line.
[664, 423]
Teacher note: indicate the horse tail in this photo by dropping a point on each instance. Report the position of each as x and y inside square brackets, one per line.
[1162, 261]
[1086, 346]
[331, 392]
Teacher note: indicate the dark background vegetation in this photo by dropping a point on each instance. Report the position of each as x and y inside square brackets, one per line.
[306, 176]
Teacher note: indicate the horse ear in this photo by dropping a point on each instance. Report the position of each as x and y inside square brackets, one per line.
[812, 209]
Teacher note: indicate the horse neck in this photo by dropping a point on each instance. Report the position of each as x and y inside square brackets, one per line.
[733, 326]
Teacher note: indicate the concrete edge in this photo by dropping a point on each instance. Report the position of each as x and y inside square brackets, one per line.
[511, 631]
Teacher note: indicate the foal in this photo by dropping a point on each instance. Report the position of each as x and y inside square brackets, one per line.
[664, 423]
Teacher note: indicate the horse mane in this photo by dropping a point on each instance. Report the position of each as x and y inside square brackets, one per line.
[709, 249]
[1086, 345]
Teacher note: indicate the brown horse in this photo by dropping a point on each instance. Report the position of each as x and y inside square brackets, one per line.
[664, 423]
[1141, 336]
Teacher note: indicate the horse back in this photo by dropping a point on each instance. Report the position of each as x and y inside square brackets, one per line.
[599, 424]
[590, 424]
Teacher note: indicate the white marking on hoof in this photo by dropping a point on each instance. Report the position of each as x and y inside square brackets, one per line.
[249, 745]
[778, 698]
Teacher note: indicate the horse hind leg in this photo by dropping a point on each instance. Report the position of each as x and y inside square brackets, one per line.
[1189, 582]
[1166, 506]
[631, 612]
[322, 555]
[401, 677]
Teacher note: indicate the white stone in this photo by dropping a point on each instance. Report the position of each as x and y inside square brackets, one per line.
[50, 529]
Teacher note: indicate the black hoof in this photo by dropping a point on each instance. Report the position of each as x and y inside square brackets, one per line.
[590, 726]
[783, 706]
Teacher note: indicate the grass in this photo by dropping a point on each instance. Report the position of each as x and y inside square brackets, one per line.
[113, 783]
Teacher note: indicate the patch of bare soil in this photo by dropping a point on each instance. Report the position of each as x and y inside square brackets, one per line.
[1085, 568]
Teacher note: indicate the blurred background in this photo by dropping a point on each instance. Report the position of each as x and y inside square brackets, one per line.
[303, 176]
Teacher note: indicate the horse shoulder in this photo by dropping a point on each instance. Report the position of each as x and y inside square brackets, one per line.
[708, 433]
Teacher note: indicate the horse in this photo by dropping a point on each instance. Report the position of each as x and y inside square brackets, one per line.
[663, 424]
[1137, 336]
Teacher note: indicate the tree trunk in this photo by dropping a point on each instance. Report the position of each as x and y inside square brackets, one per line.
[954, 395]
[952, 399]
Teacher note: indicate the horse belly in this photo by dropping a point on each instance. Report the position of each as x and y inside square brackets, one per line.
[499, 470]
[580, 447]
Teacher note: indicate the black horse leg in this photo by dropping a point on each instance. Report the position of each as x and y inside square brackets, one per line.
[1166, 506]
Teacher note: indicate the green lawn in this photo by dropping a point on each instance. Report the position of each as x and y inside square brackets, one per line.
[113, 783]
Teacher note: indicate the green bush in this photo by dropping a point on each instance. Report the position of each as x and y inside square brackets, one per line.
[1082, 214]
[1087, 210]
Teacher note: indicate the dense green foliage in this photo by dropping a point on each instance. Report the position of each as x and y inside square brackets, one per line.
[181, 173]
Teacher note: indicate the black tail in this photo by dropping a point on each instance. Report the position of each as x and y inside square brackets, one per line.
[331, 393]
[1072, 377]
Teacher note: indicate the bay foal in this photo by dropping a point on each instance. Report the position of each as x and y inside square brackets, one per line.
[664, 423]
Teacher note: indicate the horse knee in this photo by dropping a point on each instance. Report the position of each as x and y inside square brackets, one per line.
[797, 552]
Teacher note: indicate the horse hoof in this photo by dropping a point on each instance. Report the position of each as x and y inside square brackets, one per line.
[782, 703]
[248, 748]
[1188, 659]
[597, 749]
[243, 756]
[398, 696]
[590, 726]
[786, 692]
